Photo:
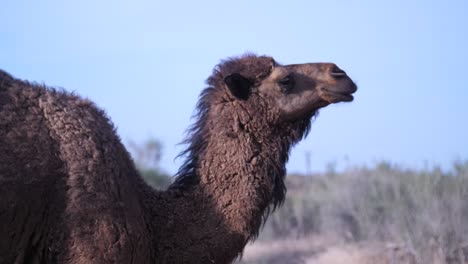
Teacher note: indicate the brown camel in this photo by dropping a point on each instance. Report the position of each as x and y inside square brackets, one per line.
[70, 193]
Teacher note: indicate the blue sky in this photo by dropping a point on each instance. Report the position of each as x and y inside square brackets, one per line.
[145, 63]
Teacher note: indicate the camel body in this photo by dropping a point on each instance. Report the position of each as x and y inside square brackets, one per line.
[70, 193]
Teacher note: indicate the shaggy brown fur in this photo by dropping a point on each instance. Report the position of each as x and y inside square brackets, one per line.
[70, 192]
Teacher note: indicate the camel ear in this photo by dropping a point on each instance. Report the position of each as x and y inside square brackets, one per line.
[238, 85]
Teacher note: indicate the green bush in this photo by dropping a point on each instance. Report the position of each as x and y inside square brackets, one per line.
[156, 178]
[147, 155]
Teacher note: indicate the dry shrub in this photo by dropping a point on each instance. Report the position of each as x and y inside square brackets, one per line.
[424, 212]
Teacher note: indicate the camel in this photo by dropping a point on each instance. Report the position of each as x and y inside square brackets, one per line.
[70, 193]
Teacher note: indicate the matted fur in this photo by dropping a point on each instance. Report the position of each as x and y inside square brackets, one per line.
[70, 193]
[255, 68]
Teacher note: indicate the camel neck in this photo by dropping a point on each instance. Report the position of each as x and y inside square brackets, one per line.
[237, 178]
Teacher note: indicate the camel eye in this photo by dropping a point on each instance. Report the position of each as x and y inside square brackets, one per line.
[286, 84]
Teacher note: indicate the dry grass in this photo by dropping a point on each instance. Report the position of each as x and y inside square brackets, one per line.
[315, 250]
[318, 250]
[410, 217]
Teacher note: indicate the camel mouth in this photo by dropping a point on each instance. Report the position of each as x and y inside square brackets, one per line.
[335, 97]
[343, 92]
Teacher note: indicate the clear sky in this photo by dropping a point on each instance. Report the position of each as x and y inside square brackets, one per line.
[145, 62]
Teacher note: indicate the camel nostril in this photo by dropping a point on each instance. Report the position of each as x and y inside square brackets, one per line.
[337, 72]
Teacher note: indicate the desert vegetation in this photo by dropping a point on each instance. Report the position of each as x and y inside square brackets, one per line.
[147, 156]
[383, 214]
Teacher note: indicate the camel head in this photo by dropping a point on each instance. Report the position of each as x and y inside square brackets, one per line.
[255, 104]
[292, 91]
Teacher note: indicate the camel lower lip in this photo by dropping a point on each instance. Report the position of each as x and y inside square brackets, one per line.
[347, 98]
[340, 96]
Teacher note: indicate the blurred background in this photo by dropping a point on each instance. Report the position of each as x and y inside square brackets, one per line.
[391, 167]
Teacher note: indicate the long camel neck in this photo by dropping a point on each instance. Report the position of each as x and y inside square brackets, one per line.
[220, 204]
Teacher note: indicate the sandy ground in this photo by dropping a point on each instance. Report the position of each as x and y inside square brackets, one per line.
[326, 251]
